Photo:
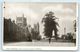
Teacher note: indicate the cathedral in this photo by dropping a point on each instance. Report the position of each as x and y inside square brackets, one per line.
[21, 21]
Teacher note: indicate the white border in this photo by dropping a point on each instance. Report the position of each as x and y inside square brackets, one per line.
[44, 47]
[37, 48]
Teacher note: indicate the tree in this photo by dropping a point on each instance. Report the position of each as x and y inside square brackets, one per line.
[75, 25]
[50, 24]
[69, 36]
[74, 36]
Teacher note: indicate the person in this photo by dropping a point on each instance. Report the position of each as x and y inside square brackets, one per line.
[50, 25]
[49, 40]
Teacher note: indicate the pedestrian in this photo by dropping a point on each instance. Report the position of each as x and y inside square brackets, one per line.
[49, 40]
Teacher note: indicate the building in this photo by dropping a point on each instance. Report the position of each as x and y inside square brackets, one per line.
[21, 21]
[36, 27]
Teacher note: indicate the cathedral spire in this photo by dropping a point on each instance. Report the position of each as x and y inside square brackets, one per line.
[22, 15]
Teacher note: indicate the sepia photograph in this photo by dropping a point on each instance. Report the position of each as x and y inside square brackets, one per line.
[40, 26]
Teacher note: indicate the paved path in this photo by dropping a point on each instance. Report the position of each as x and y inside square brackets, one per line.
[38, 43]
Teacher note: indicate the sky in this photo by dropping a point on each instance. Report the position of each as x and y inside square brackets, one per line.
[34, 12]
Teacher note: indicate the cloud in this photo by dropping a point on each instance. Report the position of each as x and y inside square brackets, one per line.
[32, 15]
[58, 9]
[13, 12]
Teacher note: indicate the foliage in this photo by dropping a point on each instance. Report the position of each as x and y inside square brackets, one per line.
[50, 25]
